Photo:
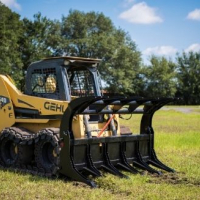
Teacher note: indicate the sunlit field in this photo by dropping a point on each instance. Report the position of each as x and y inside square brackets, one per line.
[177, 143]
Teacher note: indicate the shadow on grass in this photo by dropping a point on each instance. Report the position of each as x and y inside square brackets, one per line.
[32, 175]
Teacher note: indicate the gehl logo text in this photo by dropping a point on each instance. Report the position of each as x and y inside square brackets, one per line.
[54, 107]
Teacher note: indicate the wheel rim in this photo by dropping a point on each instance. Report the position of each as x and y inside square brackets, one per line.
[10, 151]
[48, 153]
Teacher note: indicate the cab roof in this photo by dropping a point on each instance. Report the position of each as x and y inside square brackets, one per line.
[72, 59]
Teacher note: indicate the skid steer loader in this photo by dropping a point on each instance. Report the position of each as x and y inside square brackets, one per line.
[63, 125]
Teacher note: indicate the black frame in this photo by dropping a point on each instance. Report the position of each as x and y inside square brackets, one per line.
[61, 74]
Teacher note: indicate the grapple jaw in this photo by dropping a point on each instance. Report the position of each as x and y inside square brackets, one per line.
[86, 155]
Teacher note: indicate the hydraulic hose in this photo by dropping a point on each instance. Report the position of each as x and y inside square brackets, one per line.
[105, 126]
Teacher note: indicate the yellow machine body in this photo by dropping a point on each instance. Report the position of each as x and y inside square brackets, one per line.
[11, 97]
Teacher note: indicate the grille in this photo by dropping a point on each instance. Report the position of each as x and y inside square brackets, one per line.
[44, 81]
[81, 83]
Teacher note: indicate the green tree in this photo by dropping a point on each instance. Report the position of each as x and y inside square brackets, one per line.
[40, 39]
[160, 77]
[11, 31]
[122, 71]
[41, 36]
[188, 67]
[94, 35]
[85, 34]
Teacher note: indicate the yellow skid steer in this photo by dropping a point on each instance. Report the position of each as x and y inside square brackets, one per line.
[62, 124]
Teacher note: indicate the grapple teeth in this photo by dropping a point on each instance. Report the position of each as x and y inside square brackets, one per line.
[128, 168]
[92, 184]
[140, 163]
[108, 163]
[69, 167]
[123, 163]
[157, 163]
[91, 171]
[89, 153]
[90, 162]
[114, 171]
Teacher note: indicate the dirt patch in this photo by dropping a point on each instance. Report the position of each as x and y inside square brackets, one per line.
[172, 178]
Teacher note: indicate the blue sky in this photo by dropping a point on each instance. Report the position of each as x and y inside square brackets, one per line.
[160, 27]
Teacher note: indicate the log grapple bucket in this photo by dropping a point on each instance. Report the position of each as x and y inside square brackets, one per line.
[113, 152]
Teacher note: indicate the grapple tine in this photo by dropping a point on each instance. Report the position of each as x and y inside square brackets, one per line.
[109, 166]
[92, 168]
[157, 163]
[153, 160]
[67, 166]
[91, 171]
[147, 128]
[128, 168]
[124, 163]
[111, 169]
[140, 163]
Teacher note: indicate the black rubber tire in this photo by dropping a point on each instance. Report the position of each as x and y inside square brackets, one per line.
[16, 147]
[8, 153]
[47, 150]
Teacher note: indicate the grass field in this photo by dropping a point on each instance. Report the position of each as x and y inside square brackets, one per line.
[177, 143]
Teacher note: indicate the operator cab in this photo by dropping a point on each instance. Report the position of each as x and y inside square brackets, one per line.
[63, 78]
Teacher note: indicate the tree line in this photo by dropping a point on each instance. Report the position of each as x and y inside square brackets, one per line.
[92, 34]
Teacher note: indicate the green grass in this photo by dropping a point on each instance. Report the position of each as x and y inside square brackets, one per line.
[177, 143]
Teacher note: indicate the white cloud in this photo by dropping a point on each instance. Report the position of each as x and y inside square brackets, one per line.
[194, 15]
[11, 4]
[141, 13]
[160, 51]
[193, 47]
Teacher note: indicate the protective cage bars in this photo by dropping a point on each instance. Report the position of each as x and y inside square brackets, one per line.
[110, 153]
